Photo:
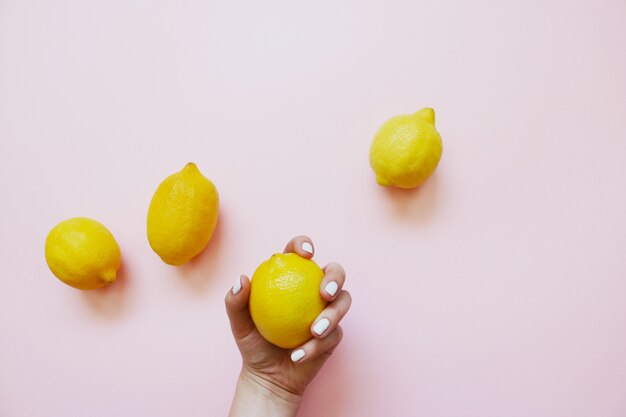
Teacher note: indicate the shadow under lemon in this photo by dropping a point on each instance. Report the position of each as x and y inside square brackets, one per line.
[110, 301]
[416, 205]
[199, 273]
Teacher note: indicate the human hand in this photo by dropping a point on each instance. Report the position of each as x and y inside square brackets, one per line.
[277, 377]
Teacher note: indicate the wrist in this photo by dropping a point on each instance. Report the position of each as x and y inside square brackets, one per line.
[258, 397]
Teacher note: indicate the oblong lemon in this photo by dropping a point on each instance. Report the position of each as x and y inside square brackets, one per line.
[285, 299]
[182, 215]
[406, 150]
[82, 253]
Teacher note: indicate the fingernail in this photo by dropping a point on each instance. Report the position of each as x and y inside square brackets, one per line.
[331, 288]
[321, 326]
[307, 247]
[296, 355]
[237, 286]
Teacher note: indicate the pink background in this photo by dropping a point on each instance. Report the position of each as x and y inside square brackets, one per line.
[497, 289]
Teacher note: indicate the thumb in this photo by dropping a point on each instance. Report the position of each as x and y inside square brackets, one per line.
[236, 302]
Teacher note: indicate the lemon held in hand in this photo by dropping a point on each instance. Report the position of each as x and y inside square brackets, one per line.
[182, 215]
[406, 150]
[83, 253]
[285, 299]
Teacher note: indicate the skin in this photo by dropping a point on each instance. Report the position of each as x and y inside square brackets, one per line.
[270, 383]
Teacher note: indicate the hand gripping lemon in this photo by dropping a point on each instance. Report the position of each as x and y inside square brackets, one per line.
[285, 299]
[182, 215]
[82, 253]
[406, 150]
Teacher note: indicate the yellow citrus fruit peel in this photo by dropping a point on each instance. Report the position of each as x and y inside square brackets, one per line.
[406, 150]
[285, 299]
[182, 215]
[82, 253]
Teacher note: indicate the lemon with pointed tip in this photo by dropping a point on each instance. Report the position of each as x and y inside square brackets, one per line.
[182, 215]
[285, 299]
[406, 150]
[82, 253]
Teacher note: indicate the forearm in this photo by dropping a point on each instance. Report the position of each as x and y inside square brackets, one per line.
[255, 397]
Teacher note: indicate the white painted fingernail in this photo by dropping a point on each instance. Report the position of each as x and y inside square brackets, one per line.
[321, 326]
[331, 288]
[296, 355]
[307, 247]
[237, 286]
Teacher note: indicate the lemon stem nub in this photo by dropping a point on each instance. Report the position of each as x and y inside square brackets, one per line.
[190, 167]
[109, 276]
[382, 181]
[427, 114]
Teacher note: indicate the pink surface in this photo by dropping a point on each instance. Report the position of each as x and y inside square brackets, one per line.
[498, 289]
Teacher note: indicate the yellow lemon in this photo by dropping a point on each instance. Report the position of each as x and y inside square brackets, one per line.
[182, 215]
[406, 150]
[83, 253]
[285, 299]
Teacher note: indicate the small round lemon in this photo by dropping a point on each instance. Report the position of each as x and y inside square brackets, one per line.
[182, 215]
[82, 253]
[406, 150]
[285, 299]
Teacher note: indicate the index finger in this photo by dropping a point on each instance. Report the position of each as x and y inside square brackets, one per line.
[302, 245]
